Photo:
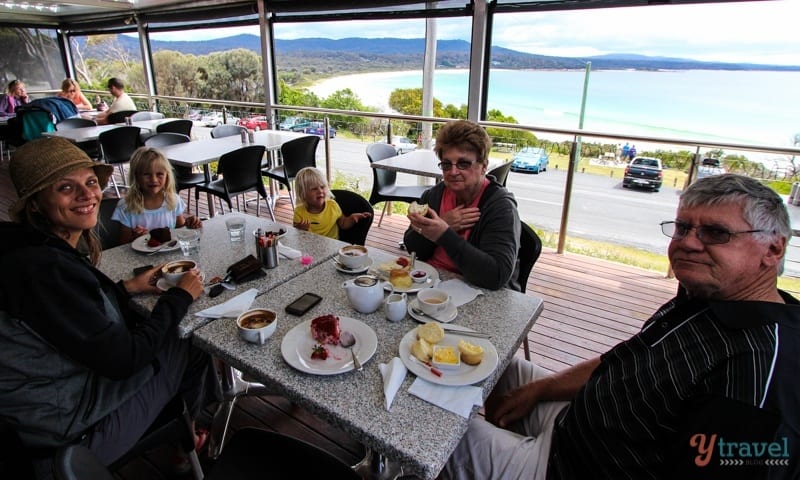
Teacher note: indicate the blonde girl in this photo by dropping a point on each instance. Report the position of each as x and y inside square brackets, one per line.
[151, 201]
[72, 91]
[315, 209]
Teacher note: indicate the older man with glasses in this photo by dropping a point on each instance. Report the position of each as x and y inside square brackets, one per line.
[707, 389]
[472, 224]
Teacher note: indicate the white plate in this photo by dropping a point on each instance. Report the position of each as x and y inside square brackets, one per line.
[433, 278]
[464, 374]
[446, 317]
[344, 269]
[140, 243]
[298, 343]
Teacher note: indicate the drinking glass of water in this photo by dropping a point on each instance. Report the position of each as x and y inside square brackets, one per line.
[189, 240]
[236, 226]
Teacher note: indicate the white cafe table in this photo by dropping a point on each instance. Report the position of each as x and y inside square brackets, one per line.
[216, 254]
[87, 134]
[416, 434]
[200, 153]
[424, 163]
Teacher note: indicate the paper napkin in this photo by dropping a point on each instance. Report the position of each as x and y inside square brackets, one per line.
[458, 400]
[459, 291]
[232, 308]
[393, 375]
[288, 252]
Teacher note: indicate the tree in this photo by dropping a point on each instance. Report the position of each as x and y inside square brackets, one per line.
[30, 54]
[346, 99]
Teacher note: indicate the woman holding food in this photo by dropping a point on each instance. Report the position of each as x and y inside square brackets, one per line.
[79, 365]
[471, 224]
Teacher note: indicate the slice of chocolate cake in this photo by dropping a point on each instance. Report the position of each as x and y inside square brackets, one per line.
[161, 234]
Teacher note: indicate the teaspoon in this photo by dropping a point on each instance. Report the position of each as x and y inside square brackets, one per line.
[347, 340]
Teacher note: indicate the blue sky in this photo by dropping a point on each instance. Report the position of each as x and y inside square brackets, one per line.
[758, 32]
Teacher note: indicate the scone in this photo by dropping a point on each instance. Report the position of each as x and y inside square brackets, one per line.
[399, 278]
[431, 332]
[470, 354]
[421, 209]
[422, 350]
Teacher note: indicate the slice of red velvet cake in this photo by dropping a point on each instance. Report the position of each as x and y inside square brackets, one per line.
[325, 329]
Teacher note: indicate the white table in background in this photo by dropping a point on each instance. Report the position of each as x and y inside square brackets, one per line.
[424, 163]
[87, 134]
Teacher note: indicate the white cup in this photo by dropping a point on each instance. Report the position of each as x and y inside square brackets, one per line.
[433, 301]
[395, 307]
[235, 226]
[353, 256]
[173, 271]
[257, 325]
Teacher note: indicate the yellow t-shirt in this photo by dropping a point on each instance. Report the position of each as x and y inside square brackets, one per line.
[325, 220]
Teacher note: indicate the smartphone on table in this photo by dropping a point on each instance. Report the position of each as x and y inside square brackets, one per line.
[303, 304]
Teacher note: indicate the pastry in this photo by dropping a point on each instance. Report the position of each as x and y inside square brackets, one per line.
[400, 278]
[325, 329]
[421, 209]
[470, 354]
[431, 332]
[422, 350]
[161, 234]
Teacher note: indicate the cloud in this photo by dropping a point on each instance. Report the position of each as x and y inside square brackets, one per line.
[757, 32]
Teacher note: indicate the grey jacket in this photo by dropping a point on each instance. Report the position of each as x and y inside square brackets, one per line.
[488, 258]
[73, 350]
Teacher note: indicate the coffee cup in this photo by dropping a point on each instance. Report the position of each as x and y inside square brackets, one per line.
[173, 271]
[433, 301]
[257, 325]
[353, 256]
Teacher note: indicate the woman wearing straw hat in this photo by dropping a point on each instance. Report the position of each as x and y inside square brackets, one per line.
[78, 364]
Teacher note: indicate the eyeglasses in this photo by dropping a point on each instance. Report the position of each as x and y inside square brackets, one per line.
[461, 165]
[707, 234]
[71, 91]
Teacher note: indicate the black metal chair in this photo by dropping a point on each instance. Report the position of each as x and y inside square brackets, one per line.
[240, 172]
[226, 130]
[119, 117]
[176, 126]
[384, 182]
[185, 178]
[89, 147]
[530, 247]
[297, 154]
[501, 173]
[107, 229]
[243, 459]
[116, 146]
[352, 202]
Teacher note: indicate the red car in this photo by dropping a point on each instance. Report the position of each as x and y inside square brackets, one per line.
[255, 123]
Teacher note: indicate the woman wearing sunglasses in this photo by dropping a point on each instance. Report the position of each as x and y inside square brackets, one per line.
[72, 91]
[472, 224]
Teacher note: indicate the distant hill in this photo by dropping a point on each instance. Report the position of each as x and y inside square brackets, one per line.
[374, 54]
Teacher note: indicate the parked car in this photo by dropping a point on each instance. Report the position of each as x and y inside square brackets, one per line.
[403, 145]
[294, 124]
[195, 115]
[530, 159]
[709, 167]
[212, 119]
[644, 172]
[318, 128]
[258, 122]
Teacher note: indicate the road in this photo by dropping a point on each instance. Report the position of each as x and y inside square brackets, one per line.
[600, 209]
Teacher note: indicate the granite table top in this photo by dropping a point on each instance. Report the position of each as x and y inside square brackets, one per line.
[216, 253]
[419, 435]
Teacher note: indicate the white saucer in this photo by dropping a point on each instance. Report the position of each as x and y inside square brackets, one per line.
[445, 317]
[343, 269]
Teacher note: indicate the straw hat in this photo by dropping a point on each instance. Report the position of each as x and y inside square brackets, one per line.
[40, 163]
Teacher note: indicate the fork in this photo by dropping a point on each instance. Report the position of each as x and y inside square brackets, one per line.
[453, 331]
[169, 244]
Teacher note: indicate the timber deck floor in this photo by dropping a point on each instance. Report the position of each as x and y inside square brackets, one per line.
[589, 306]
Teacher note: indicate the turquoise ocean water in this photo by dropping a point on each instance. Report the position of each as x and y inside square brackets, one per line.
[742, 107]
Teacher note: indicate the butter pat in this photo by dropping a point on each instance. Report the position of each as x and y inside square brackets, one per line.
[446, 356]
